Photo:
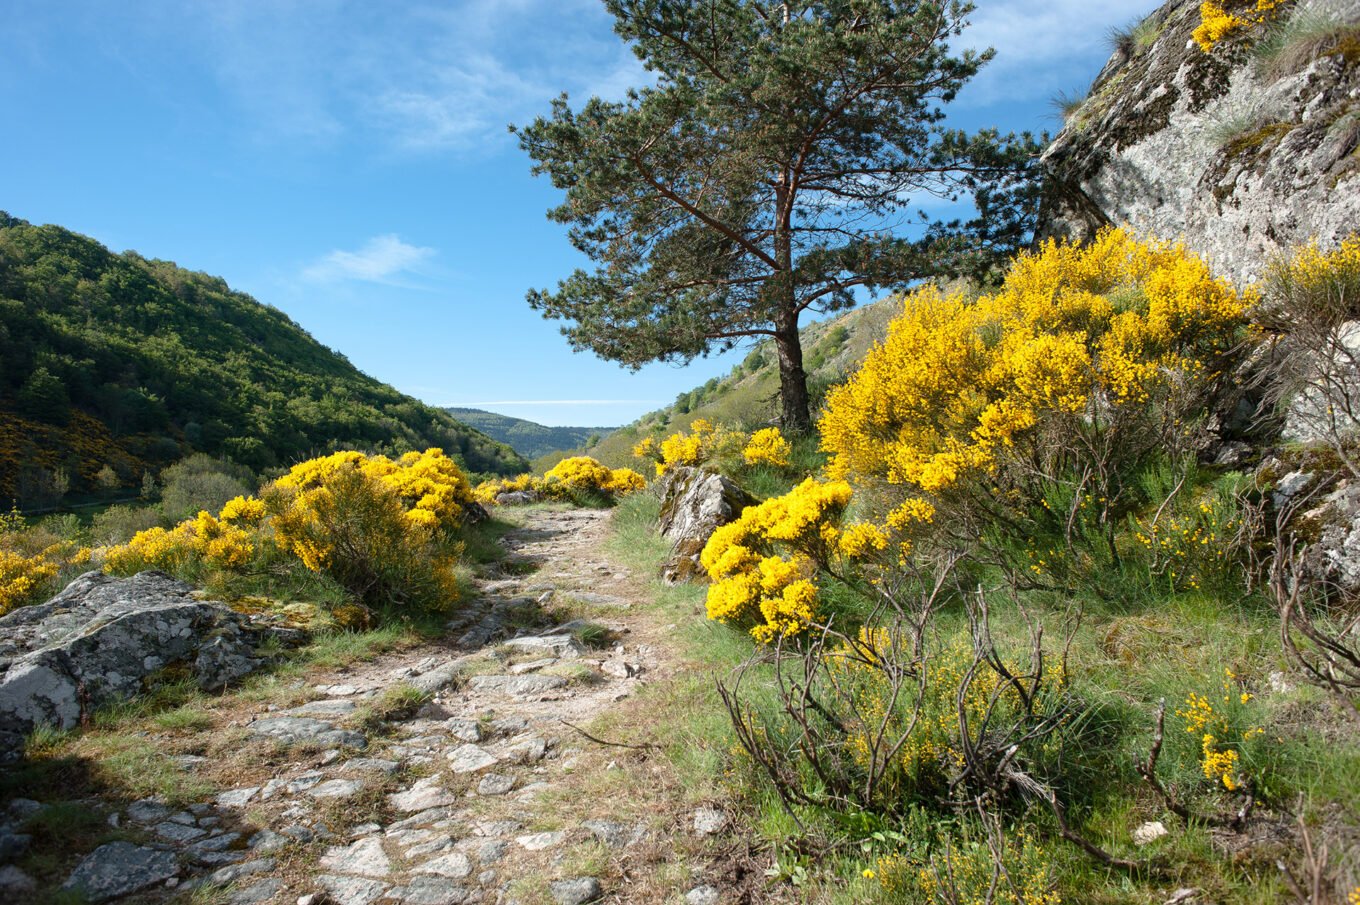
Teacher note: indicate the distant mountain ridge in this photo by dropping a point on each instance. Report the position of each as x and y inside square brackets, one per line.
[116, 361]
[527, 438]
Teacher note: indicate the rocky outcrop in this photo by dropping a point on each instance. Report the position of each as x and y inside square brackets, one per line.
[101, 640]
[694, 504]
[1241, 154]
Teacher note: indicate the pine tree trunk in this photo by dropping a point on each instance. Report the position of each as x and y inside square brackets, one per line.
[795, 414]
[796, 417]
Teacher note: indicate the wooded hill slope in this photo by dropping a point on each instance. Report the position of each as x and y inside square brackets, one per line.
[115, 360]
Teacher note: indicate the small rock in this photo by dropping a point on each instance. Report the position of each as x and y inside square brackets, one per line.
[1149, 832]
[520, 669]
[310, 898]
[266, 842]
[338, 788]
[702, 895]
[576, 891]
[365, 858]
[12, 845]
[15, 884]
[425, 795]
[528, 751]
[495, 784]
[470, 759]
[299, 832]
[120, 869]
[254, 894]
[294, 729]
[709, 822]
[489, 851]
[537, 842]
[148, 810]
[433, 847]
[1182, 895]
[214, 844]
[178, 832]
[430, 891]
[614, 835]
[322, 708]
[352, 890]
[454, 866]
[228, 875]
[370, 765]
[237, 798]
[464, 730]
[518, 686]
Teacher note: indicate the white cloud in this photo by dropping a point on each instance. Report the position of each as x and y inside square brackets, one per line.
[416, 75]
[1043, 45]
[381, 259]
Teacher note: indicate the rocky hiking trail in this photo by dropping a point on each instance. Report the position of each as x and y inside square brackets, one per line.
[489, 787]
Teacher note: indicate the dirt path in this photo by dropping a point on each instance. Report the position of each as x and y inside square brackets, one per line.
[483, 793]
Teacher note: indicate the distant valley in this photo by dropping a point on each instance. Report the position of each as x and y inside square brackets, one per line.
[527, 438]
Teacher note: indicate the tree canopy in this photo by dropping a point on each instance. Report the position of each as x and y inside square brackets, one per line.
[771, 169]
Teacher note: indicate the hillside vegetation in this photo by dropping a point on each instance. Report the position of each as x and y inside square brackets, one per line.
[528, 438]
[112, 360]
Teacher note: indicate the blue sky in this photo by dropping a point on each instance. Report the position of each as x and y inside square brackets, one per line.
[348, 163]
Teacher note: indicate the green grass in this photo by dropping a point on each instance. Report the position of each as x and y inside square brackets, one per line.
[399, 702]
[1139, 641]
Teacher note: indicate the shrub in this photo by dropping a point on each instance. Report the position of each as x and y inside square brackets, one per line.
[764, 564]
[767, 447]
[200, 482]
[1220, 19]
[382, 529]
[33, 560]
[1089, 365]
[1313, 300]
[578, 475]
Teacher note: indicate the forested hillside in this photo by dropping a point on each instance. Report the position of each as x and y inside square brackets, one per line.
[115, 361]
[528, 438]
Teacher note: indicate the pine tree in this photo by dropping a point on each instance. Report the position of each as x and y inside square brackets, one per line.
[769, 171]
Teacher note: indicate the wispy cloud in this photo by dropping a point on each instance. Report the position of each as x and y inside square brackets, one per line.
[1043, 45]
[413, 76]
[380, 260]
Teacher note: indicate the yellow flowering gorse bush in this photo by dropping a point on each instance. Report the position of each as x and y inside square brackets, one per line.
[1218, 727]
[378, 526]
[583, 473]
[31, 561]
[704, 443]
[1220, 19]
[767, 447]
[1076, 339]
[763, 565]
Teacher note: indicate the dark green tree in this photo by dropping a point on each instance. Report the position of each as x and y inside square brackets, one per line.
[769, 171]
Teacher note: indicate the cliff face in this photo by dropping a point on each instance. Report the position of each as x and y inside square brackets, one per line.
[1243, 151]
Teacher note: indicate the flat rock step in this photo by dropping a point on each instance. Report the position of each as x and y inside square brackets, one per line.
[295, 729]
[517, 685]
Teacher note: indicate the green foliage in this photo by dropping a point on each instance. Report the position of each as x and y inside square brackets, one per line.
[764, 173]
[152, 362]
[200, 482]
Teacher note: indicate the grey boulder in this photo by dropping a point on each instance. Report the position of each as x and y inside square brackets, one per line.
[101, 638]
[694, 504]
[120, 869]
